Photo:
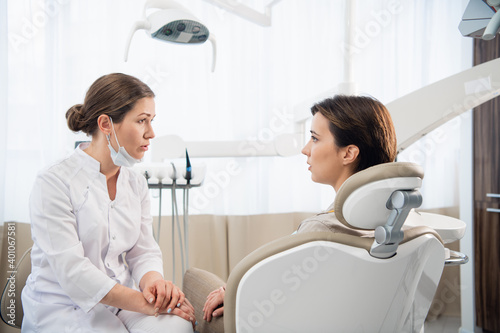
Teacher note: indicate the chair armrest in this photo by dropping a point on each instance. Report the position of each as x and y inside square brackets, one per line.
[456, 258]
[197, 284]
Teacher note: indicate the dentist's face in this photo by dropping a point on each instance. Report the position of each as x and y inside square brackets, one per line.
[135, 130]
[323, 156]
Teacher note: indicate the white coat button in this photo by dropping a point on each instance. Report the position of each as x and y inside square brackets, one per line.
[107, 264]
[114, 237]
[112, 205]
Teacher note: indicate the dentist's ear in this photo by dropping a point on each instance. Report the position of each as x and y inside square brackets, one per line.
[104, 124]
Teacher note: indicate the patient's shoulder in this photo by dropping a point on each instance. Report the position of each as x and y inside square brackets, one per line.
[329, 222]
[326, 221]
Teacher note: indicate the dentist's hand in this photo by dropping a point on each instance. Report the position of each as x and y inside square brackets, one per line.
[167, 298]
[164, 294]
[215, 301]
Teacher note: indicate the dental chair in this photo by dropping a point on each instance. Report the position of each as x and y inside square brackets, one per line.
[331, 282]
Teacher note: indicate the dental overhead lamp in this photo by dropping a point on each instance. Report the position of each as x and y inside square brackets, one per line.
[481, 19]
[172, 23]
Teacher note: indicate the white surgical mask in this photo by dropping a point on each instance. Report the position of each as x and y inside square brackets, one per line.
[122, 157]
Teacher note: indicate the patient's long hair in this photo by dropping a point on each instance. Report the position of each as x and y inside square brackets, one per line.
[113, 95]
[364, 122]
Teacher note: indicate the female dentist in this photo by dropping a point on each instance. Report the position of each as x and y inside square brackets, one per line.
[95, 264]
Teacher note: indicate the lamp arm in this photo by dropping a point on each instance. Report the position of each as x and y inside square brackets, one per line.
[138, 25]
[211, 38]
[162, 4]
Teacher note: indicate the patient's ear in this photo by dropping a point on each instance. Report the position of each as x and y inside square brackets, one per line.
[351, 153]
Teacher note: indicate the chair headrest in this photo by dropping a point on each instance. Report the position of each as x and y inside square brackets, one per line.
[361, 200]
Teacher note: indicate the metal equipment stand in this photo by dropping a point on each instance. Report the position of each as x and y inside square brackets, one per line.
[175, 220]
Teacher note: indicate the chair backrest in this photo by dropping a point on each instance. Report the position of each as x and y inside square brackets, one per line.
[314, 282]
[327, 282]
[16, 265]
[361, 200]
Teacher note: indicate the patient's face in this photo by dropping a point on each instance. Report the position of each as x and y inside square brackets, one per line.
[323, 156]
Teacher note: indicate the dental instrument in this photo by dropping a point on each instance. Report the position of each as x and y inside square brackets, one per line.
[185, 205]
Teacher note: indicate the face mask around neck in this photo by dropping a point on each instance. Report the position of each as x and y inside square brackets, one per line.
[122, 157]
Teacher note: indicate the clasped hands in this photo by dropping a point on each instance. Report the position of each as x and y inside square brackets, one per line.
[166, 298]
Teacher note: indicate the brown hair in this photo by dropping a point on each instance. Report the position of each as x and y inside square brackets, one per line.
[113, 95]
[364, 122]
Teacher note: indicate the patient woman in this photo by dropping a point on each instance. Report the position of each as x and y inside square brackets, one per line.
[348, 134]
[95, 264]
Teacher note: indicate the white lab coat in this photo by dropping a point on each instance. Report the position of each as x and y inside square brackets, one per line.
[81, 238]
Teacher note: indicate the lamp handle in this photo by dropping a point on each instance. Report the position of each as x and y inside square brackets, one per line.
[492, 27]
